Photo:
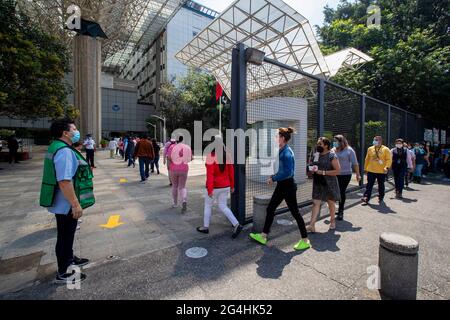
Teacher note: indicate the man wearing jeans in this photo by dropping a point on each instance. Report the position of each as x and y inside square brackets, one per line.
[376, 165]
[144, 151]
[58, 194]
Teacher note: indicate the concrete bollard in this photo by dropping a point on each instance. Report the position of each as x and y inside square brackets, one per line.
[398, 262]
[260, 203]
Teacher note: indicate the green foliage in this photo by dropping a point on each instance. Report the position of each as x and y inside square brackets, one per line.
[192, 98]
[32, 68]
[411, 52]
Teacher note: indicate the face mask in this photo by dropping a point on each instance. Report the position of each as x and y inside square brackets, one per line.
[399, 146]
[319, 149]
[375, 142]
[75, 136]
[336, 144]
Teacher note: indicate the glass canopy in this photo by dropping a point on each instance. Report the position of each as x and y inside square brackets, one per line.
[268, 25]
[129, 24]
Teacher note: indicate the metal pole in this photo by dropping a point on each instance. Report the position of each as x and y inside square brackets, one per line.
[321, 113]
[238, 121]
[389, 126]
[362, 138]
[165, 131]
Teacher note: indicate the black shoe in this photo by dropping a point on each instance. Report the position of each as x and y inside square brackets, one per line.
[365, 201]
[184, 207]
[79, 262]
[340, 216]
[203, 230]
[158, 172]
[237, 230]
[152, 171]
[70, 278]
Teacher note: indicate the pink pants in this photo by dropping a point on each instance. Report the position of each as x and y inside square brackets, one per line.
[179, 185]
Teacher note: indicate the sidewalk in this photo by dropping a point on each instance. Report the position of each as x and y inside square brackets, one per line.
[150, 247]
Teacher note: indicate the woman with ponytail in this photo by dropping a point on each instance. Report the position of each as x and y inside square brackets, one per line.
[286, 189]
[219, 183]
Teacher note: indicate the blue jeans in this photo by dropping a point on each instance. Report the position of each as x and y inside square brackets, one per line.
[155, 163]
[418, 171]
[371, 177]
[144, 163]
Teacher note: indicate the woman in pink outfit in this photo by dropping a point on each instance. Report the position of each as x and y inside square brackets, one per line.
[179, 155]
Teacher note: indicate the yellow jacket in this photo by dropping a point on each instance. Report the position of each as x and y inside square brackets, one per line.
[377, 160]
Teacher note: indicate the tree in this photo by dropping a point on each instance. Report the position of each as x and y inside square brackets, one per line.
[192, 98]
[32, 68]
[410, 50]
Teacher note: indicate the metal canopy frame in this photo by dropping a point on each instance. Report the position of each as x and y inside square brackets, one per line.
[271, 26]
[129, 24]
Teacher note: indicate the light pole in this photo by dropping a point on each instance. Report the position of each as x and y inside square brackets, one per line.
[154, 127]
[163, 119]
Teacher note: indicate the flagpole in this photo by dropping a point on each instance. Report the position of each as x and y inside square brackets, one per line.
[220, 116]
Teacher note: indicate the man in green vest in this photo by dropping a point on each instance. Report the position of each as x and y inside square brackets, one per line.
[66, 190]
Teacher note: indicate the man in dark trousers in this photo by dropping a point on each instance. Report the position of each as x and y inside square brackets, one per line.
[401, 162]
[13, 146]
[144, 151]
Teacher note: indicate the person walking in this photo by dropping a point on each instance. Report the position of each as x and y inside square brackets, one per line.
[348, 163]
[13, 147]
[286, 189]
[410, 171]
[179, 155]
[401, 162]
[89, 145]
[325, 169]
[421, 160]
[144, 151]
[219, 184]
[129, 151]
[155, 162]
[166, 159]
[112, 148]
[66, 190]
[121, 148]
[376, 164]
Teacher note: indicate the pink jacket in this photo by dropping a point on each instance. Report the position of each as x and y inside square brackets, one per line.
[179, 155]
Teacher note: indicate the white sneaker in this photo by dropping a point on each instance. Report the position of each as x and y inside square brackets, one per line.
[174, 206]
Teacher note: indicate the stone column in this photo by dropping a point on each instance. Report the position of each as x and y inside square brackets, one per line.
[87, 81]
[260, 203]
[398, 262]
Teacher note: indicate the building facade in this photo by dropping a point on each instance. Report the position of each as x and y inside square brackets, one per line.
[156, 64]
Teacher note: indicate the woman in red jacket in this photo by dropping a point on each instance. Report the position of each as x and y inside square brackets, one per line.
[219, 183]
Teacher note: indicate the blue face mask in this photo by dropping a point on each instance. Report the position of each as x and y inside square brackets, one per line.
[336, 144]
[375, 142]
[75, 136]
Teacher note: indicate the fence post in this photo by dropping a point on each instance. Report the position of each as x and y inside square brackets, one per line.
[406, 127]
[321, 113]
[238, 121]
[362, 137]
[389, 126]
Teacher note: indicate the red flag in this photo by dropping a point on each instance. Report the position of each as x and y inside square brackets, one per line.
[219, 91]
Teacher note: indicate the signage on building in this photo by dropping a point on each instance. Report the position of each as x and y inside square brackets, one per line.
[428, 135]
[435, 136]
[115, 108]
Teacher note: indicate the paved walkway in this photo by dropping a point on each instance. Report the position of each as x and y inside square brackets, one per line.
[149, 248]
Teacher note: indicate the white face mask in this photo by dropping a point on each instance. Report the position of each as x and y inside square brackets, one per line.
[399, 146]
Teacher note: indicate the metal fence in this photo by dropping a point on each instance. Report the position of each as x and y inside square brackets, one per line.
[315, 107]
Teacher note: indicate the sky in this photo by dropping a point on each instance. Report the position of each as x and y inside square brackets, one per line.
[310, 9]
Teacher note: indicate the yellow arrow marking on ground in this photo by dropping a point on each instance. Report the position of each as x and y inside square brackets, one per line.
[113, 222]
[123, 180]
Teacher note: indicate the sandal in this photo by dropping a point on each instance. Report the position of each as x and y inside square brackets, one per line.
[310, 229]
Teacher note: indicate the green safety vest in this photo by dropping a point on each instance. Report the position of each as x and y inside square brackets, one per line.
[82, 181]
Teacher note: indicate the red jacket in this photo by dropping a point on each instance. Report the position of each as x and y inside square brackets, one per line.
[215, 178]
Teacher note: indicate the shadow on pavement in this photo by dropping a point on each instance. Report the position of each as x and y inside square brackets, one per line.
[273, 262]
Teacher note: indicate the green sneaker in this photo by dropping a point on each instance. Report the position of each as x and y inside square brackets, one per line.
[258, 238]
[302, 245]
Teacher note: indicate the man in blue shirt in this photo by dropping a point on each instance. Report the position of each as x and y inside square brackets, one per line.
[66, 206]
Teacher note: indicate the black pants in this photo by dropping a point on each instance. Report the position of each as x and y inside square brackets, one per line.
[399, 178]
[13, 156]
[285, 190]
[343, 182]
[90, 157]
[371, 177]
[66, 226]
